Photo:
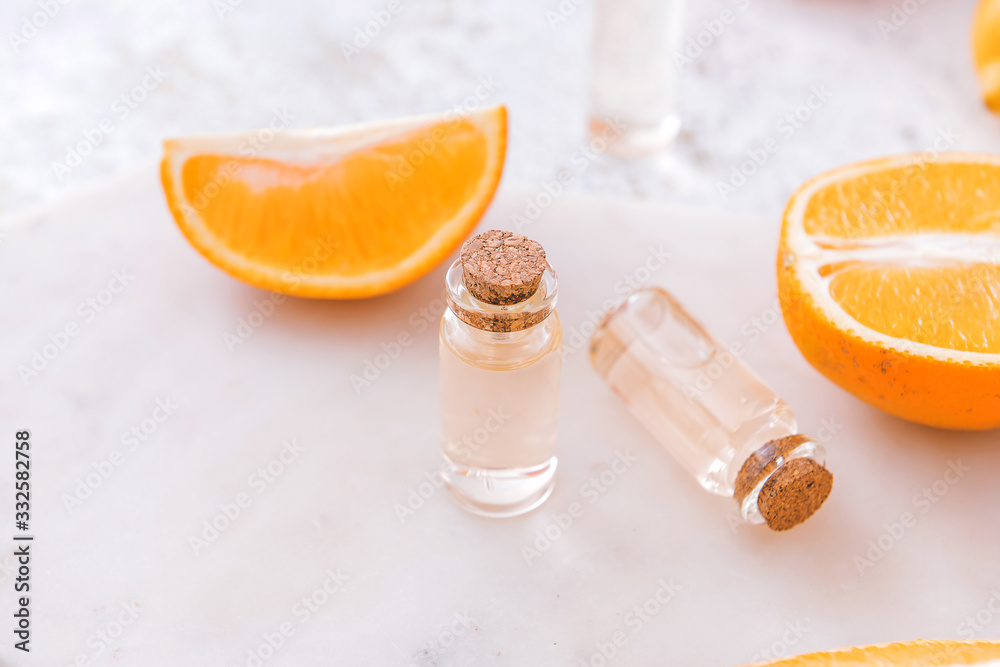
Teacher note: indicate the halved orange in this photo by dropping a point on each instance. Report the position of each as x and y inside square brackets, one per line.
[986, 50]
[919, 653]
[340, 213]
[889, 280]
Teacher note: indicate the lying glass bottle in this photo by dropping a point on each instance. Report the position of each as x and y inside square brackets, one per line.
[721, 422]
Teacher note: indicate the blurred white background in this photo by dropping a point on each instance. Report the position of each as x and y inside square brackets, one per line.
[897, 80]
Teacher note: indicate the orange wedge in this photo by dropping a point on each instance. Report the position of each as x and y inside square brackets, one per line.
[917, 653]
[889, 280]
[340, 213]
[986, 50]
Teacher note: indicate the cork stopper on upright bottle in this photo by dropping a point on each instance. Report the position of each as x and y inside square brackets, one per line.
[502, 268]
[795, 488]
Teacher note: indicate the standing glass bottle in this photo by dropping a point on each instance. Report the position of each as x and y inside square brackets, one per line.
[500, 364]
[721, 422]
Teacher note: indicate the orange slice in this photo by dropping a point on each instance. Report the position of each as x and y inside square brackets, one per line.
[340, 213]
[889, 279]
[917, 653]
[986, 50]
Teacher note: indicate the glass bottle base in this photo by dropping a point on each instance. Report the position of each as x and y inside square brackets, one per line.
[500, 493]
[637, 139]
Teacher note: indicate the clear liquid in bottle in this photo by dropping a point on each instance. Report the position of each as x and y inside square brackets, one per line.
[500, 363]
[710, 410]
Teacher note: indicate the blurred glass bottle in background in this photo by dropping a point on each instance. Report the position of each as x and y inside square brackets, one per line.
[633, 79]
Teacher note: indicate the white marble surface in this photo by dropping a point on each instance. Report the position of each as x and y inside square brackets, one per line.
[437, 587]
[228, 70]
[444, 588]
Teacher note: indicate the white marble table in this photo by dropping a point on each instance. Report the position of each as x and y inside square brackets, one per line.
[331, 538]
[222, 71]
[897, 553]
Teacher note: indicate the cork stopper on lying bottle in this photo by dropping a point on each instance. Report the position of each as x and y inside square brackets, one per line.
[503, 271]
[790, 488]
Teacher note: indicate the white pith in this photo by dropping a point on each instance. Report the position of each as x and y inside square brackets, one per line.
[936, 249]
[325, 146]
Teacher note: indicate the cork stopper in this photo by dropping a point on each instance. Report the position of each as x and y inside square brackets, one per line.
[502, 268]
[794, 489]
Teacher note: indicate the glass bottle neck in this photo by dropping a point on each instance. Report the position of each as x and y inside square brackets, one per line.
[500, 350]
[500, 318]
